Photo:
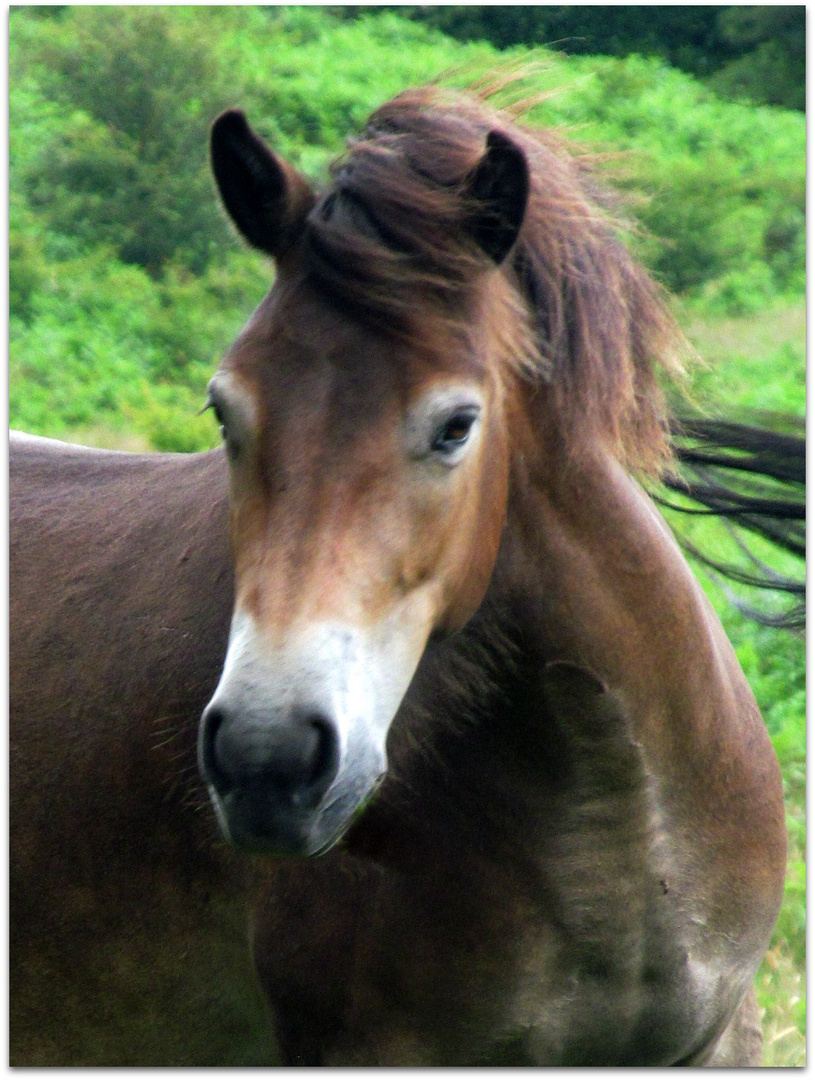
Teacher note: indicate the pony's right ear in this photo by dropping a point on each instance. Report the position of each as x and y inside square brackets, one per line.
[266, 198]
[498, 188]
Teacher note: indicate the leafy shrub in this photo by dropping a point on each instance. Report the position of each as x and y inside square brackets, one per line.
[107, 342]
[774, 68]
[720, 186]
[753, 51]
[138, 88]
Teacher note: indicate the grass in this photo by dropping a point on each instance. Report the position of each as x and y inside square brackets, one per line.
[750, 363]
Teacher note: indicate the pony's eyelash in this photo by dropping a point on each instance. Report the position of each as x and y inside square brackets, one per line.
[212, 404]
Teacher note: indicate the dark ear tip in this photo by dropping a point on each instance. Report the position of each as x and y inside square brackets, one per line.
[231, 122]
[499, 143]
[497, 140]
[499, 189]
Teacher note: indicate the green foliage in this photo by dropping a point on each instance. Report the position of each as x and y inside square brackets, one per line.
[773, 69]
[137, 89]
[753, 52]
[719, 186]
[133, 349]
[755, 363]
[686, 36]
[314, 80]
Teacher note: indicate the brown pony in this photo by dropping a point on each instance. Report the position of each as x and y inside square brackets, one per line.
[465, 661]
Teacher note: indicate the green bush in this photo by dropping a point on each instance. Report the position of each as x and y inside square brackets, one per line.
[127, 166]
[757, 52]
[719, 186]
[105, 342]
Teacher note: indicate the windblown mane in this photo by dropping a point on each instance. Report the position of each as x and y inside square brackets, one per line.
[389, 238]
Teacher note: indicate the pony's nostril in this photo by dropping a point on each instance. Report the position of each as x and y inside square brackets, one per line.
[212, 723]
[292, 760]
[325, 754]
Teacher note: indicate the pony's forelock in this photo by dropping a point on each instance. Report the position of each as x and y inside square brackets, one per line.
[389, 239]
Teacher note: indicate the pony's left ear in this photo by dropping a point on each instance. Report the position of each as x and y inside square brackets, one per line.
[498, 188]
[266, 198]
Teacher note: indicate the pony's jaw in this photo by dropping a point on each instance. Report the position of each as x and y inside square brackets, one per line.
[277, 788]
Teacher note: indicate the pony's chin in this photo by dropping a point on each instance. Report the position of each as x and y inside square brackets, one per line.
[252, 826]
[284, 843]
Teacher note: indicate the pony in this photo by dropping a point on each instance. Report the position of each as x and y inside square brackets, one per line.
[477, 772]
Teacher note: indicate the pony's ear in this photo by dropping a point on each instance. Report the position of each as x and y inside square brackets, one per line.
[265, 197]
[498, 188]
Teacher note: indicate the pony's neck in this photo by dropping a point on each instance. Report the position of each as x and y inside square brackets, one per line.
[585, 554]
[588, 576]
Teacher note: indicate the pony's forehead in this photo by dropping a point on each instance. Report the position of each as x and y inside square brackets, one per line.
[302, 326]
[387, 261]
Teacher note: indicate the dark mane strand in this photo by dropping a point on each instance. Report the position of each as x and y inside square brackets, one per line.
[389, 239]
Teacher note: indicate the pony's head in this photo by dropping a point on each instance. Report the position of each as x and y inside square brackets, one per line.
[362, 411]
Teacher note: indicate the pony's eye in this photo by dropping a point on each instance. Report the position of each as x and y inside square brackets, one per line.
[219, 416]
[455, 432]
[439, 428]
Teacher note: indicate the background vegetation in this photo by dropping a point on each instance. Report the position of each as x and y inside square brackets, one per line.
[126, 283]
[751, 52]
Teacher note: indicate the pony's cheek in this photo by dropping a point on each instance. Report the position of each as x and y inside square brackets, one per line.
[473, 557]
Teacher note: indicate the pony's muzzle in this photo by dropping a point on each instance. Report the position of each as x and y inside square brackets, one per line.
[293, 743]
[267, 778]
